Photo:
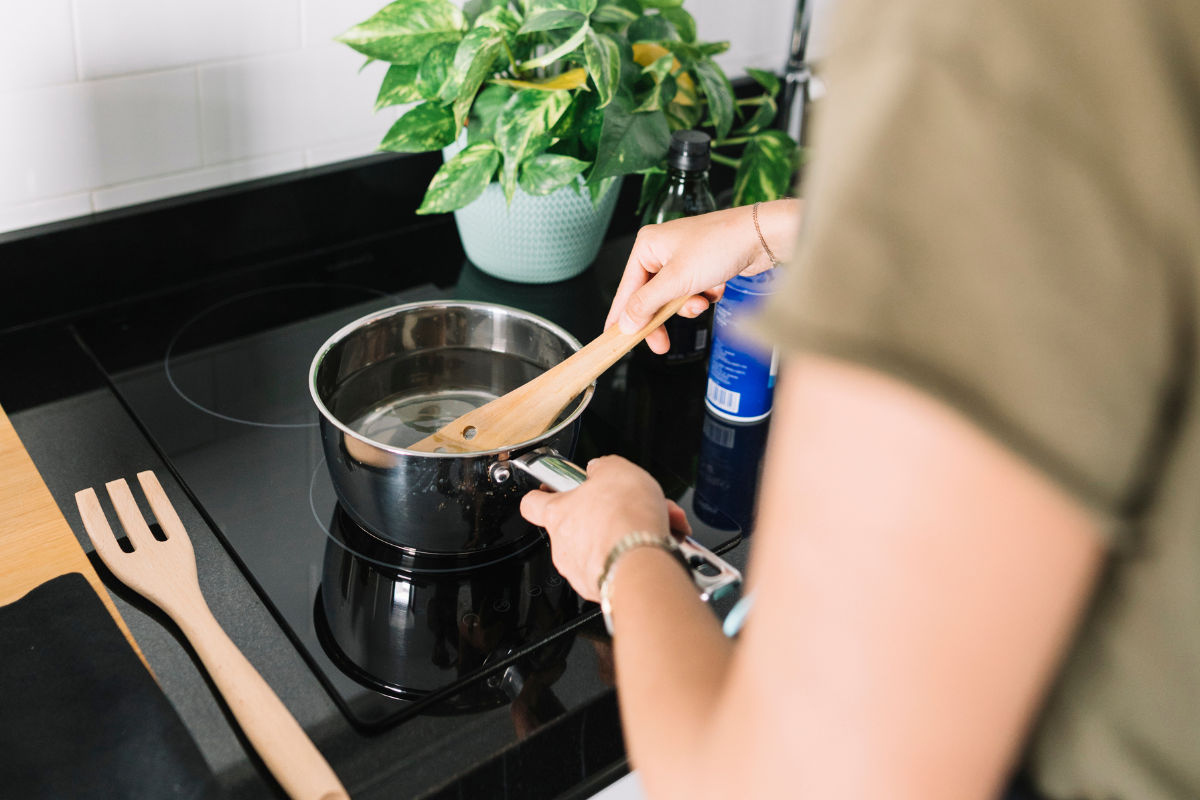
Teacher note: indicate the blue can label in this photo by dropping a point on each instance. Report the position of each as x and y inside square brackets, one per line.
[741, 372]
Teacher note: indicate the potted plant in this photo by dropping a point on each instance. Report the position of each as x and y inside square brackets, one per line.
[543, 106]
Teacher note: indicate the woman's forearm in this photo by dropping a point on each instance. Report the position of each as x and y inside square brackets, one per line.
[672, 660]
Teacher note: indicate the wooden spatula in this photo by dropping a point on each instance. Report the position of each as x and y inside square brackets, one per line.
[527, 412]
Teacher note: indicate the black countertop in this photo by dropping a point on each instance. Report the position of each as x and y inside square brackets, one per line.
[79, 295]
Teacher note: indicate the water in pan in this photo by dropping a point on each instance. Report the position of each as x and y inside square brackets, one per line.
[405, 420]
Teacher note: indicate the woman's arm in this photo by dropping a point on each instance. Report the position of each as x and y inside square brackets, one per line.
[917, 584]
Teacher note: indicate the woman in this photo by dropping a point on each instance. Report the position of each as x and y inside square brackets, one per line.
[978, 536]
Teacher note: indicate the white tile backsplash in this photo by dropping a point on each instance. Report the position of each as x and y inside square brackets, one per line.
[122, 36]
[36, 43]
[106, 103]
[40, 212]
[195, 180]
[274, 103]
[74, 137]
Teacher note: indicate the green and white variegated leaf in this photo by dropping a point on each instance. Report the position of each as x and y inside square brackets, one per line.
[548, 172]
[617, 12]
[653, 180]
[566, 48]
[597, 189]
[585, 7]
[711, 49]
[684, 23]
[767, 80]
[474, 9]
[404, 31]
[487, 107]
[399, 86]
[658, 97]
[652, 28]
[552, 20]
[660, 4]
[473, 61]
[436, 78]
[765, 169]
[461, 179]
[501, 19]
[719, 93]
[603, 57]
[526, 118]
[763, 117]
[688, 54]
[429, 126]
[629, 142]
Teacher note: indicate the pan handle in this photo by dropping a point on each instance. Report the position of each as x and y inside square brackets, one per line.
[712, 575]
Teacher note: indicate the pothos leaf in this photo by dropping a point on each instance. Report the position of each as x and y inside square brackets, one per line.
[528, 115]
[659, 96]
[429, 126]
[661, 3]
[461, 179]
[711, 49]
[767, 80]
[564, 49]
[436, 79]
[763, 117]
[617, 12]
[552, 19]
[547, 173]
[474, 9]
[629, 142]
[484, 112]
[651, 28]
[719, 93]
[684, 23]
[765, 169]
[473, 61]
[584, 7]
[603, 57]
[571, 79]
[399, 86]
[597, 189]
[404, 31]
[501, 19]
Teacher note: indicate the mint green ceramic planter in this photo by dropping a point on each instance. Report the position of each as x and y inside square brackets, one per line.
[538, 239]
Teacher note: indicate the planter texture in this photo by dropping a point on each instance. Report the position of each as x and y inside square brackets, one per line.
[538, 239]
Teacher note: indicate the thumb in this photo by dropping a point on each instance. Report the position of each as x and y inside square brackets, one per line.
[646, 301]
[534, 506]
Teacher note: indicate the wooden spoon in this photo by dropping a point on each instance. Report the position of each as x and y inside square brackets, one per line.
[529, 411]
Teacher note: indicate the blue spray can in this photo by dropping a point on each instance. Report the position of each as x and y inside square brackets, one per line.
[741, 372]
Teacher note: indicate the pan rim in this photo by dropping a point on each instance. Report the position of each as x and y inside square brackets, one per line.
[374, 316]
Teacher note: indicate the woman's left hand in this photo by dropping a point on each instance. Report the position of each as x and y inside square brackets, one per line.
[584, 523]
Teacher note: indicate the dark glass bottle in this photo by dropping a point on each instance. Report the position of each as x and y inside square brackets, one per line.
[685, 194]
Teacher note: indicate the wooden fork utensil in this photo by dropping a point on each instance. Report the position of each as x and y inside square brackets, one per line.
[165, 573]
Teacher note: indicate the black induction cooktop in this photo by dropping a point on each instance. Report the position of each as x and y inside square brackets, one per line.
[220, 387]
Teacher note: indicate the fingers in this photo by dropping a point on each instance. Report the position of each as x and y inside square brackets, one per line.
[677, 519]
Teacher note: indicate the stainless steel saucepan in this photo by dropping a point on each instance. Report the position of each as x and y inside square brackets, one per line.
[392, 378]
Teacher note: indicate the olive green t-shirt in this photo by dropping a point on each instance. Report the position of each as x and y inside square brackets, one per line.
[1003, 209]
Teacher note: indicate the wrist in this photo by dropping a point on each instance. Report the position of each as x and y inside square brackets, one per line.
[774, 234]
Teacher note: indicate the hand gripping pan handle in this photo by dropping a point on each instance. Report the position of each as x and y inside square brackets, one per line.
[712, 575]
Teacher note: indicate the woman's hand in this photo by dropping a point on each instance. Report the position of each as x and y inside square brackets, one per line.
[695, 256]
[584, 523]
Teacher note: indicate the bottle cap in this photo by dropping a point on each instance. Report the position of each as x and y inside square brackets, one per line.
[689, 151]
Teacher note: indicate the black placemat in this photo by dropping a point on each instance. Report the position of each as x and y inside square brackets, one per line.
[80, 717]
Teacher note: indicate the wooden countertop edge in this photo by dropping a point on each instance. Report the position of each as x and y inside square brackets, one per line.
[36, 543]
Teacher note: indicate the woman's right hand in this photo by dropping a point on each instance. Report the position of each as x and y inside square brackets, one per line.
[695, 256]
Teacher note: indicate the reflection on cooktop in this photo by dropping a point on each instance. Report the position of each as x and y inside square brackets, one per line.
[406, 632]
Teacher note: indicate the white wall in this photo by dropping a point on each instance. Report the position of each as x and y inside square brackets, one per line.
[107, 103]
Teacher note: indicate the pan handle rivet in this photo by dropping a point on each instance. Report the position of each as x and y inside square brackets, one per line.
[501, 473]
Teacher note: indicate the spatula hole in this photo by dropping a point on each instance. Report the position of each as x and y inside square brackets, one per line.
[469, 432]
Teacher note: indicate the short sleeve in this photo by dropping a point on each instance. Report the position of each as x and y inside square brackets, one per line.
[969, 231]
